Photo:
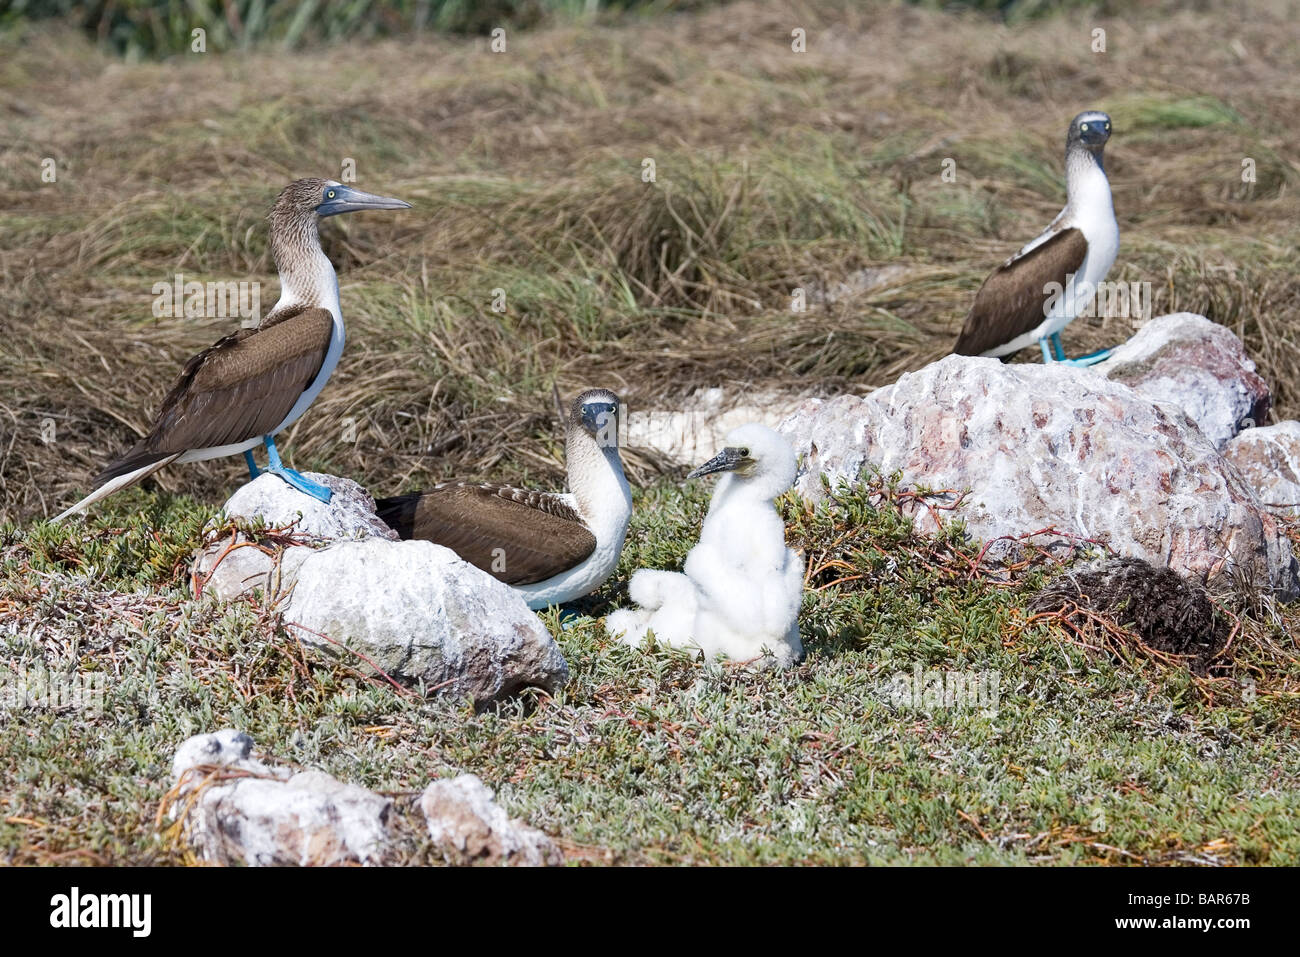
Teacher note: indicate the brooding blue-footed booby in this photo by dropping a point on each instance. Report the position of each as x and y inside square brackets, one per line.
[1034, 294]
[740, 590]
[248, 386]
[551, 547]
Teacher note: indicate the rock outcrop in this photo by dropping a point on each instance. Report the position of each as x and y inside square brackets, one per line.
[1037, 447]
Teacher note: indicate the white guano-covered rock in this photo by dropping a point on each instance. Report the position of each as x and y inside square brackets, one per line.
[1051, 447]
[349, 514]
[343, 579]
[237, 810]
[468, 826]
[420, 612]
[234, 565]
[1198, 365]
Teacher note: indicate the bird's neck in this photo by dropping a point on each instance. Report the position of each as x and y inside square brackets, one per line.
[596, 478]
[735, 489]
[1085, 179]
[307, 277]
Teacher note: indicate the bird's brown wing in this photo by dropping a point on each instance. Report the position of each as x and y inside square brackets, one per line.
[518, 536]
[1011, 301]
[239, 388]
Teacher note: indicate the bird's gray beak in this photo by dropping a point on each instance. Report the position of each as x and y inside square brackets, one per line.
[1096, 136]
[598, 417]
[725, 461]
[345, 199]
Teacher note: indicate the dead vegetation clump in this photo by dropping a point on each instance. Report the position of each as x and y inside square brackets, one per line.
[1154, 609]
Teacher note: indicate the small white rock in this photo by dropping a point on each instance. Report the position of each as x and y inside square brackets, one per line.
[349, 514]
[468, 825]
[248, 813]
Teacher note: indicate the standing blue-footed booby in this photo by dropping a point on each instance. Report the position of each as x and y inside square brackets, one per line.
[740, 590]
[242, 390]
[1034, 294]
[551, 547]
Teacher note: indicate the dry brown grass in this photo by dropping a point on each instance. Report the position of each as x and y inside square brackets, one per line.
[774, 170]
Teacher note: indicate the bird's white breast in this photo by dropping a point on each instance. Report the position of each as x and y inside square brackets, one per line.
[606, 515]
[1093, 214]
[326, 297]
[1095, 218]
[323, 292]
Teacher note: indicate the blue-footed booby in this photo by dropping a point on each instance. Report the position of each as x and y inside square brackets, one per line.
[740, 590]
[248, 386]
[551, 547]
[1034, 294]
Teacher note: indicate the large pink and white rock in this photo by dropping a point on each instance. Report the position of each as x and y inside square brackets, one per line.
[1269, 458]
[1050, 446]
[1197, 364]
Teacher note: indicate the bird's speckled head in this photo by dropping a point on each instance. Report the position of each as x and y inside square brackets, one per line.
[1090, 129]
[596, 412]
[298, 201]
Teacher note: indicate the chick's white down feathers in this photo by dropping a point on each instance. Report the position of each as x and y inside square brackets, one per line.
[740, 590]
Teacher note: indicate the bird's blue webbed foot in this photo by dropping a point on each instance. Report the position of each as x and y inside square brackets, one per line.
[302, 484]
[1091, 359]
[1056, 352]
[569, 618]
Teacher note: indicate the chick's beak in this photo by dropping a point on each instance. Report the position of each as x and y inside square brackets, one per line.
[727, 460]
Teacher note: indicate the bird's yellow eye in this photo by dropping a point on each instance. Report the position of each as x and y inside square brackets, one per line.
[1107, 126]
[330, 194]
[1083, 127]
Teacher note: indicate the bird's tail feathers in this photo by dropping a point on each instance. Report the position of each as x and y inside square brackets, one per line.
[131, 462]
[116, 483]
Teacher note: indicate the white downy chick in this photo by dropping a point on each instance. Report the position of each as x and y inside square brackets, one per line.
[740, 590]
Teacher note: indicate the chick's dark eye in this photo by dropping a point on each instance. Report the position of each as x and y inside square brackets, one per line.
[744, 453]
